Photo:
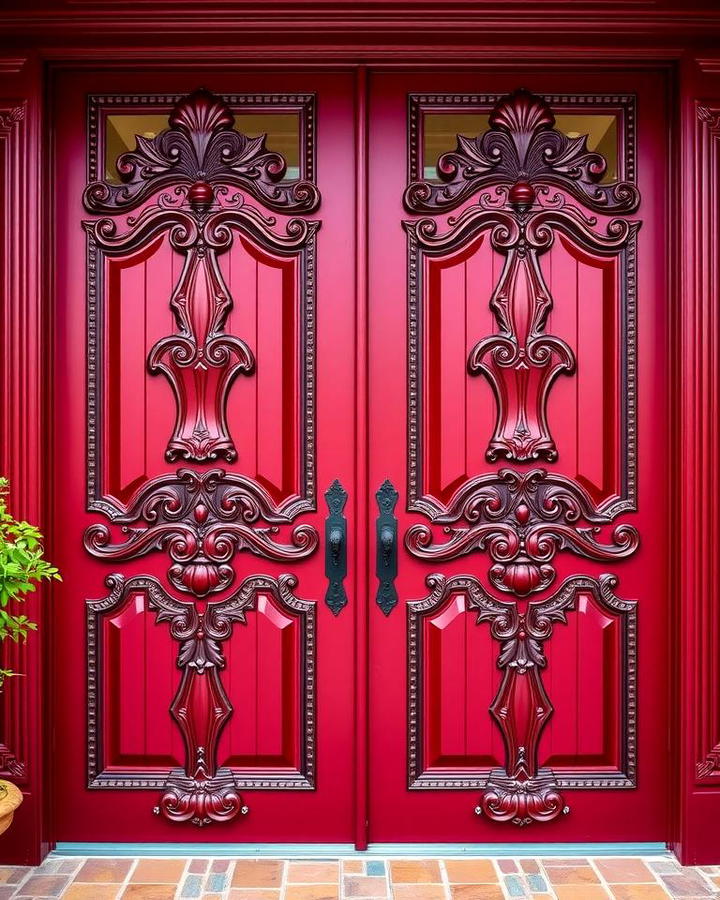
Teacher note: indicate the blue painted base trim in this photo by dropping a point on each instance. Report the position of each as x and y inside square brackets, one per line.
[324, 851]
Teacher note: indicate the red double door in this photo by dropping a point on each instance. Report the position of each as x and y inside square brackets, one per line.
[360, 460]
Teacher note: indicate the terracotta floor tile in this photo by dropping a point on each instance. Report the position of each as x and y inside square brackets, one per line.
[258, 873]
[198, 866]
[212, 897]
[476, 892]
[13, 874]
[531, 866]
[312, 892]
[313, 873]
[581, 892]
[689, 884]
[91, 892]
[7, 891]
[247, 894]
[507, 866]
[68, 866]
[149, 892]
[220, 865]
[44, 886]
[638, 892]
[572, 875]
[364, 886]
[418, 892]
[551, 862]
[158, 871]
[666, 866]
[471, 871]
[104, 870]
[623, 870]
[415, 871]
[353, 867]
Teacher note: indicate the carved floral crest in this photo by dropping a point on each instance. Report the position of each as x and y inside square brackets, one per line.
[523, 150]
[201, 149]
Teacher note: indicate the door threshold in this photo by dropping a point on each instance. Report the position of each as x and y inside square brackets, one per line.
[330, 851]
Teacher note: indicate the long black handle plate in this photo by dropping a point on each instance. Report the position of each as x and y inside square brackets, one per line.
[336, 547]
[386, 560]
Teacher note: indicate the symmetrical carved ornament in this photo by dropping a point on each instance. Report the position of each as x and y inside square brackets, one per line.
[189, 183]
[201, 519]
[522, 519]
[524, 184]
[529, 184]
[201, 792]
[521, 791]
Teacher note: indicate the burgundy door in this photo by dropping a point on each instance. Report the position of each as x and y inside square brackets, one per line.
[518, 381]
[204, 407]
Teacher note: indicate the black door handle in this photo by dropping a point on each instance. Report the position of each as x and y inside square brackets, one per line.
[386, 561]
[335, 547]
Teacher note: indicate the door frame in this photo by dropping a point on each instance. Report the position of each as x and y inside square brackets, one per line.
[692, 71]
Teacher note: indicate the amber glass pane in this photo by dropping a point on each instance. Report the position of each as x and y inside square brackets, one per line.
[440, 130]
[282, 129]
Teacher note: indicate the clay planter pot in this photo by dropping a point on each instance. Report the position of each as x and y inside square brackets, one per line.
[10, 798]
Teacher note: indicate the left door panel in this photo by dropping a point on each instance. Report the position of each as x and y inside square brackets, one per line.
[203, 396]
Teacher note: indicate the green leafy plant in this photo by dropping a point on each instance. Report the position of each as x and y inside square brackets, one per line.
[22, 567]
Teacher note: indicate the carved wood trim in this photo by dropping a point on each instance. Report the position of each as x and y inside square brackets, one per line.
[304, 104]
[701, 360]
[20, 390]
[563, 103]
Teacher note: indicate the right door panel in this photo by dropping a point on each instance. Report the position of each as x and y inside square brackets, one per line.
[517, 317]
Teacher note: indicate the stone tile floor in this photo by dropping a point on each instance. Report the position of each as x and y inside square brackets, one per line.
[459, 878]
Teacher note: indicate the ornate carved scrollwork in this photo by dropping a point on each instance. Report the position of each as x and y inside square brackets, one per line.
[202, 792]
[522, 146]
[523, 173]
[522, 519]
[190, 186]
[189, 172]
[201, 148]
[521, 185]
[522, 791]
[201, 519]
